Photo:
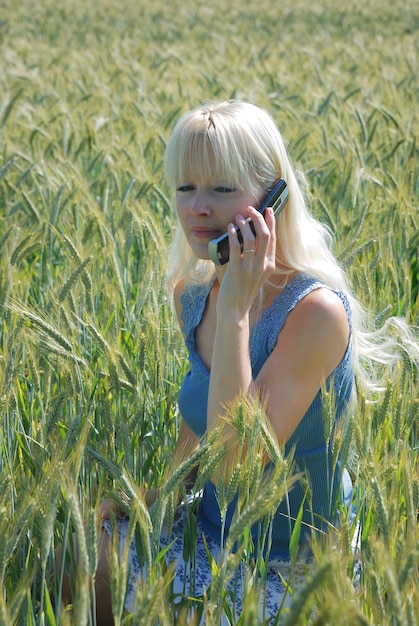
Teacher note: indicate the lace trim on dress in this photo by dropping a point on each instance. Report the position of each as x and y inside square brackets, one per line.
[272, 320]
[193, 301]
[275, 316]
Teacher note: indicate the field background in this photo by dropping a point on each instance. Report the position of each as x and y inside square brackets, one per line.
[90, 354]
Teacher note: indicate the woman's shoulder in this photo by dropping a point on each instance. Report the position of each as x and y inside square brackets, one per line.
[178, 291]
[305, 303]
[318, 327]
[321, 313]
[315, 293]
[313, 340]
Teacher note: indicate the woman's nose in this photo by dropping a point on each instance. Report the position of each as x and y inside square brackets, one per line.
[200, 203]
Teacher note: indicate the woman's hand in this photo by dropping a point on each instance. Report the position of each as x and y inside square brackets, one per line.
[150, 496]
[110, 507]
[250, 265]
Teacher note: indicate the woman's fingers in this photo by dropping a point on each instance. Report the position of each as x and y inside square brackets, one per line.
[258, 234]
[251, 263]
[109, 507]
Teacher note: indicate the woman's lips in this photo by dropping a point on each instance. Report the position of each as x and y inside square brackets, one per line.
[205, 233]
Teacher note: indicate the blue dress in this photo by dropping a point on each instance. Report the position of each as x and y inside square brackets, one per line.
[311, 453]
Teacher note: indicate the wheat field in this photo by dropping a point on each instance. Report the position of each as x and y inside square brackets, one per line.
[91, 357]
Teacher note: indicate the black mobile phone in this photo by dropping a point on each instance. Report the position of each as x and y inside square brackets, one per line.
[276, 197]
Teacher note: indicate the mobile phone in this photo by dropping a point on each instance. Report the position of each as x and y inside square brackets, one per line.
[276, 197]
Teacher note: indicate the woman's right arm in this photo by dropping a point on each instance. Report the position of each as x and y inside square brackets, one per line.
[187, 441]
[186, 444]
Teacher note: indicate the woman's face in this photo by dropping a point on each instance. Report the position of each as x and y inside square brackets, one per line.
[206, 206]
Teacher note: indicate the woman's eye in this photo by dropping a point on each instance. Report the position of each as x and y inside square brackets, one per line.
[184, 188]
[224, 189]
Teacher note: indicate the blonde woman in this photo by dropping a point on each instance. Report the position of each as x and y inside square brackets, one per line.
[277, 324]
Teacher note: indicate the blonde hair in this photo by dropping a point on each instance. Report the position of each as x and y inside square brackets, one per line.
[248, 150]
[243, 143]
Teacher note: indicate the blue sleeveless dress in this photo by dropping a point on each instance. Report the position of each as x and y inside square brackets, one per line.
[312, 453]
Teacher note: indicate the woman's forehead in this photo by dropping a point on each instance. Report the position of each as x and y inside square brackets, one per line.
[201, 163]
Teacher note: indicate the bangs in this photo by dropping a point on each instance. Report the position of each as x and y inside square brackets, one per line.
[199, 146]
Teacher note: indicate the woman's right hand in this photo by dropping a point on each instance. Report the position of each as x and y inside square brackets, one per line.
[109, 506]
[150, 495]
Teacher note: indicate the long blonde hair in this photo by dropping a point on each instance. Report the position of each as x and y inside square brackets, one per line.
[248, 150]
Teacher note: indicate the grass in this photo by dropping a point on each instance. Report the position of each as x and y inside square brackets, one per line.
[90, 354]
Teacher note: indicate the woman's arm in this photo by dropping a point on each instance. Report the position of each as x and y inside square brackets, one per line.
[245, 275]
[187, 442]
[309, 347]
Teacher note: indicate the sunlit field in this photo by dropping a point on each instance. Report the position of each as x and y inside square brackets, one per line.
[91, 357]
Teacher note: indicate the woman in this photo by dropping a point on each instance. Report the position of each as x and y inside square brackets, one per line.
[276, 324]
